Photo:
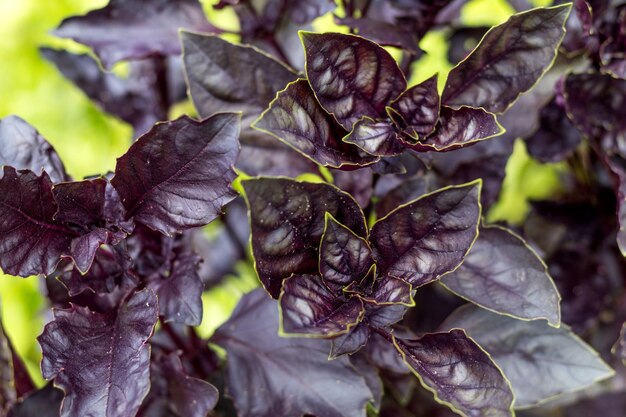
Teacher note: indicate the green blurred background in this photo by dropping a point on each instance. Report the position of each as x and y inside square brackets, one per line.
[89, 141]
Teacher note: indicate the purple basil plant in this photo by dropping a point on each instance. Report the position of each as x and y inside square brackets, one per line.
[383, 290]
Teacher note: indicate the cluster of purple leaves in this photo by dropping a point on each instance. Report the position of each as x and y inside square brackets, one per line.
[370, 268]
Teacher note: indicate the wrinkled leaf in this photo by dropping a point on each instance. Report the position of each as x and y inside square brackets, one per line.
[503, 274]
[416, 111]
[31, 242]
[135, 29]
[308, 308]
[296, 118]
[459, 128]
[294, 374]
[287, 223]
[344, 256]
[351, 76]
[422, 240]
[23, 147]
[101, 361]
[178, 175]
[540, 361]
[109, 270]
[226, 77]
[508, 61]
[376, 138]
[459, 373]
[406, 191]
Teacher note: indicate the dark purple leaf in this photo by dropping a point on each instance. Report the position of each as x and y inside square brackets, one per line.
[180, 293]
[508, 61]
[101, 361]
[459, 128]
[595, 103]
[422, 240]
[540, 361]
[110, 269]
[45, 402]
[296, 118]
[384, 33]
[94, 207]
[226, 77]
[23, 147]
[31, 242]
[136, 99]
[416, 111]
[81, 202]
[294, 374]
[345, 257]
[384, 315]
[131, 30]
[384, 355]
[287, 223]
[405, 192]
[375, 138]
[178, 394]
[556, 138]
[359, 184]
[388, 291]
[262, 154]
[310, 309]
[178, 175]
[503, 274]
[351, 342]
[459, 373]
[486, 160]
[351, 76]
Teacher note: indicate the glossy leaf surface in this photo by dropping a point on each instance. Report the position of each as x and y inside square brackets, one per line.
[508, 61]
[376, 138]
[31, 242]
[416, 111]
[309, 308]
[459, 128]
[135, 29]
[351, 76]
[178, 175]
[422, 240]
[503, 274]
[23, 147]
[101, 361]
[287, 223]
[459, 373]
[296, 118]
[540, 361]
[344, 256]
[294, 373]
